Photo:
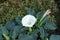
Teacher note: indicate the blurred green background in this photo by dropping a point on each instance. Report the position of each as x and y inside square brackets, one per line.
[12, 8]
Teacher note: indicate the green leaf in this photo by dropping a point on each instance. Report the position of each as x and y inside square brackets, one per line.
[18, 20]
[4, 30]
[25, 37]
[46, 19]
[50, 26]
[54, 37]
[39, 15]
[1, 38]
[0, 32]
[16, 31]
[10, 24]
[35, 34]
[32, 36]
[43, 33]
[31, 11]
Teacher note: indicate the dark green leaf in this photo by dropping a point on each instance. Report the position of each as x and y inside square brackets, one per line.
[18, 20]
[54, 37]
[50, 26]
[1, 34]
[46, 19]
[0, 31]
[10, 24]
[25, 37]
[39, 15]
[4, 30]
[1, 38]
[31, 11]
[43, 33]
[16, 31]
[35, 34]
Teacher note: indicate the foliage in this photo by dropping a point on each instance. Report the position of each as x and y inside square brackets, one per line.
[55, 37]
[13, 29]
[11, 13]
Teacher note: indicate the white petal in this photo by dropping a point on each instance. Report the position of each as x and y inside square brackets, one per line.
[28, 21]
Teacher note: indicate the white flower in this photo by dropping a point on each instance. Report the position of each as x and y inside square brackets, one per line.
[28, 21]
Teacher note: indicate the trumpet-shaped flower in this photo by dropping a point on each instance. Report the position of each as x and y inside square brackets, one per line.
[47, 13]
[28, 21]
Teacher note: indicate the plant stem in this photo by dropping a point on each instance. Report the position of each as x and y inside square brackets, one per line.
[7, 38]
[30, 29]
[41, 21]
[46, 38]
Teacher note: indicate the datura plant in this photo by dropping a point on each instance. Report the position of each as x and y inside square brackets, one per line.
[32, 26]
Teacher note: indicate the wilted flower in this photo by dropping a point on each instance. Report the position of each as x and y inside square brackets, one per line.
[47, 13]
[28, 21]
